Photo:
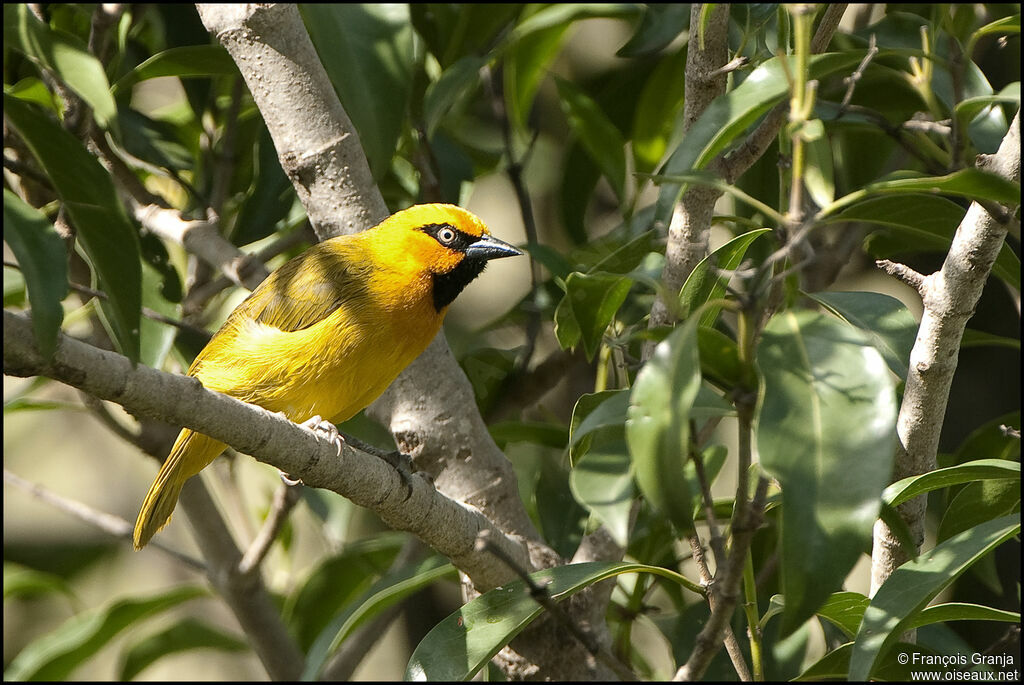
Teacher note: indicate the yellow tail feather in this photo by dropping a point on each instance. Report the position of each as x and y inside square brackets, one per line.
[192, 452]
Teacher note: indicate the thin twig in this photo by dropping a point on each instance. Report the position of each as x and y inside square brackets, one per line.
[903, 273]
[285, 499]
[108, 523]
[541, 596]
[852, 80]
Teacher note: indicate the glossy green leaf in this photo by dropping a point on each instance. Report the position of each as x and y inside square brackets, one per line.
[990, 440]
[600, 138]
[526, 63]
[44, 266]
[658, 430]
[975, 338]
[185, 635]
[719, 357]
[591, 301]
[914, 584]
[186, 61]
[845, 610]
[55, 656]
[973, 184]
[729, 116]
[368, 51]
[460, 645]
[979, 502]
[660, 24]
[602, 481]
[980, 469]
[563, 14]
[828, 403]
[918, 223]
[336, 582]
[600, 415]
[61, 54]
[961, 611]
[104, 231]
[886, 320]
[835, 665]
[450, 89]
[392, 588]
[707, 282]
[819, 172]
[625, 257]
[658, 107]
[713, 458]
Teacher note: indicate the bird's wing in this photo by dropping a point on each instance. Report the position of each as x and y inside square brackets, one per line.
[306, 291]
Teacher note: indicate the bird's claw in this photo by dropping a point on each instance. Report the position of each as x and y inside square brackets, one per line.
[327, 430]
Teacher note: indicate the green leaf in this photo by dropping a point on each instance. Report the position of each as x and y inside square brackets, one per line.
[599, 415]
[526, 62]
[913, 585]
[392, 588]
[819, 171]
[973, 184]
[826, 429]
[706, 282]
[461, 644]
[445, 94]
[719, 357]
[599, 136]
[22, 581]
[186, 61]
[104, 231]
[980, 469]
[591, 301]
[977, 503]
[731, 114]
[368, 51]
[960, 611]
[538, 432]
[658, 427]
[887, 322]
[336, 582]
[660, 25]
[658, 108]
[44, 265]
[845, 610]
[918, 223]
[626, 257]
[835, 665]
[563, 14]
[602, 481]
[63, 55]
[185, 635]
[56, 655]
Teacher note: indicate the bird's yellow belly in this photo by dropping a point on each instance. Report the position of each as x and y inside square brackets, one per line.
[330, 369]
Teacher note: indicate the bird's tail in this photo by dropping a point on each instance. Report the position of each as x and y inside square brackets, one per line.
[192, 452]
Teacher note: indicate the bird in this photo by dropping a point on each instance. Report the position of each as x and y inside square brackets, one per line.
[327, 332]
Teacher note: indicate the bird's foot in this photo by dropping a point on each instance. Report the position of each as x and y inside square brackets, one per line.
[326, 430]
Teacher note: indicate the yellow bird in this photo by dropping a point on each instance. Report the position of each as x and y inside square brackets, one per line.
[326, 333]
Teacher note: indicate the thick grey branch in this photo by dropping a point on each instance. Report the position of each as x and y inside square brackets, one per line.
[949, 297]
[413, 505]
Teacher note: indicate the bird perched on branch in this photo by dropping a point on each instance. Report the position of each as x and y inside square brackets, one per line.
[326, 333]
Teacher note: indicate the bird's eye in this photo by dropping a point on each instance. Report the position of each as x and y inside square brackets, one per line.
[446, 235]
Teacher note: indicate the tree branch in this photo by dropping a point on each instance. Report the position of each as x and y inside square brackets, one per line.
[411, 504]
[949, 296]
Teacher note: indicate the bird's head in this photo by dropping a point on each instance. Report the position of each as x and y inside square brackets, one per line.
[444, 243]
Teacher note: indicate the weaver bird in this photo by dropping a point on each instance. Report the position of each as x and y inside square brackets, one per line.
[326, 333]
